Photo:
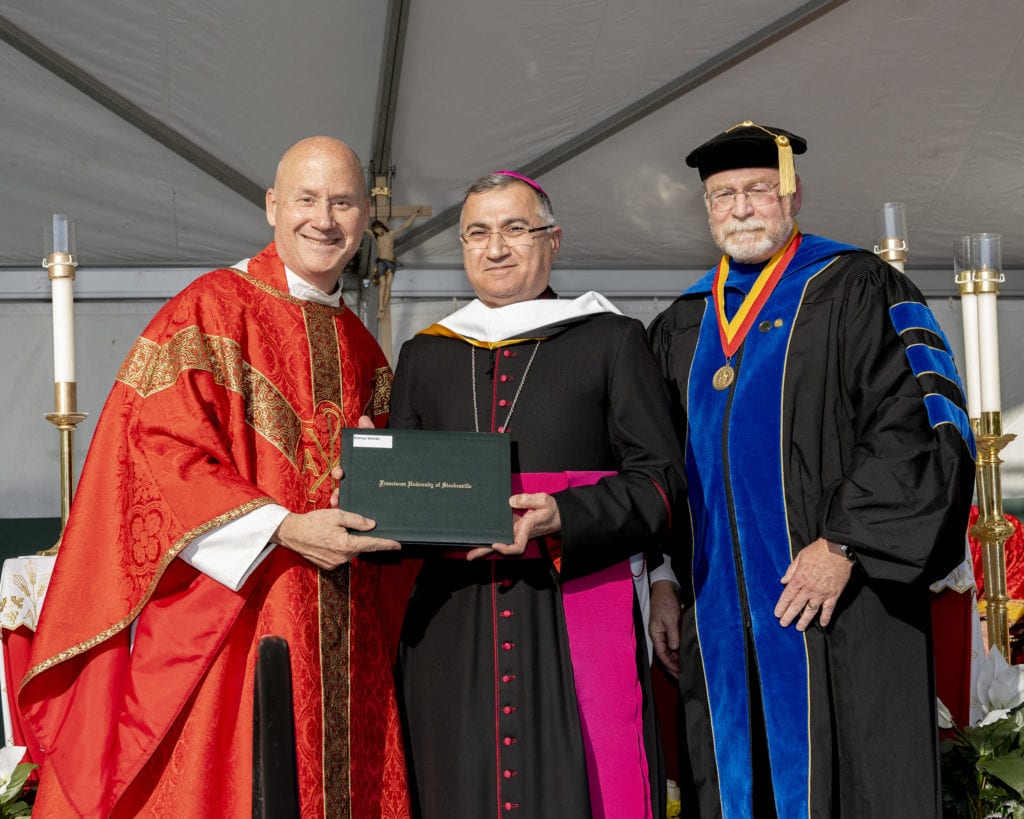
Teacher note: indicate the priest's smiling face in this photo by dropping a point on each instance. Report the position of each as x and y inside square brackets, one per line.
[746, 232]
[501, 274]
[318, 209]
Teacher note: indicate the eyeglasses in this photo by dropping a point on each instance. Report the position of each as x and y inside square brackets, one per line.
[758, 195]
[511, 235]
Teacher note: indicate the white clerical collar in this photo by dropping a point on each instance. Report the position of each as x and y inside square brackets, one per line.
[301, 289]
[478, 321]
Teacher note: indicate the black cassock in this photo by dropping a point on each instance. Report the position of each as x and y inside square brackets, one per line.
[846, 421]
[487, 684]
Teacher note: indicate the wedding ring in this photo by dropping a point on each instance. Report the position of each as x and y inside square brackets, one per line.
[810, 607]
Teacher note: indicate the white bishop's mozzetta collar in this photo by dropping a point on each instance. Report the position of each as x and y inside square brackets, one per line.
[478, 321]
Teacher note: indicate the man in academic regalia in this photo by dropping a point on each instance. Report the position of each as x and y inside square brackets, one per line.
[524, 680]
[202, 524]
[829, 466]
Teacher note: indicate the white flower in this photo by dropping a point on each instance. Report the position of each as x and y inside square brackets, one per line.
[945, 718]
[10, 756]
[994, 716]
[1000, 687]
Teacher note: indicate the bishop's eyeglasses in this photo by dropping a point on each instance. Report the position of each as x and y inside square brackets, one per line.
[476, 237]
[760, 194]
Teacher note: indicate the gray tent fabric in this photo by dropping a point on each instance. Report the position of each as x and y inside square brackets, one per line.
[915, 101]
[905, 100]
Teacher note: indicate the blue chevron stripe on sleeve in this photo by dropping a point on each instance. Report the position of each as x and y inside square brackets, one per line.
[943, 411]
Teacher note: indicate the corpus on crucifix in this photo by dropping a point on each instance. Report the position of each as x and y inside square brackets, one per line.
[386, 263]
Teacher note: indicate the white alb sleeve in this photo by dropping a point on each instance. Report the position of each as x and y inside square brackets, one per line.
[230, 553]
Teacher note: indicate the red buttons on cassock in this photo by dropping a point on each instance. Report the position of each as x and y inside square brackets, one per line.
[504, 583]
[507, 678]
[509, 774]
[501, 429]
[507, 613]
[509, 709]
[508, 646]
[507, 353]
[511, 805]
[509, 740]
[503, 403]
[507, 378]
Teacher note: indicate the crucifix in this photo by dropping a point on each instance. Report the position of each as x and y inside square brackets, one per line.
[384, 236]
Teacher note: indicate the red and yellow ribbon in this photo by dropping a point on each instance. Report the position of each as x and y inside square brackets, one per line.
[733, 331]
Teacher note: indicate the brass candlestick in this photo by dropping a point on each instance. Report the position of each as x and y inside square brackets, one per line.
[66, 418]
[992, 529]
[61, 265]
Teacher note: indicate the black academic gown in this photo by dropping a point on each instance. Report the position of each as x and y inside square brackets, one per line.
[487, 685]
[846, 421]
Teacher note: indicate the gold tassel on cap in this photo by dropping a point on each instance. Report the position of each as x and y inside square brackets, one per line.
[787, 171]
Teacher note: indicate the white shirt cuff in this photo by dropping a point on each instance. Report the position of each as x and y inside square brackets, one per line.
[232, 552]
[663, 572]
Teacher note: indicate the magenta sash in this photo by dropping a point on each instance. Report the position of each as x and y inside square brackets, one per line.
[602, 641]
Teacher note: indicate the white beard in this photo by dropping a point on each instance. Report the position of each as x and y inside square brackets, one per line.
[753, 239]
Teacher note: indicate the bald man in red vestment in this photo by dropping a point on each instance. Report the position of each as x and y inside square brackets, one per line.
[202, 524]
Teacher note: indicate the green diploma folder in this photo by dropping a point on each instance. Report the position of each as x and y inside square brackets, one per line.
[429, 487]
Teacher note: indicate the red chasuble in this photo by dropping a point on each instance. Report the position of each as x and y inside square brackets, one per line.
[230, 400]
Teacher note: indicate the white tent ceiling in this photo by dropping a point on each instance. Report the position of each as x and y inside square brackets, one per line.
[919, 101]
[158, 125]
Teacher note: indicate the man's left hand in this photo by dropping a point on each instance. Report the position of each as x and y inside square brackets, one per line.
[664, 626]
[813, 581]
[541, 518]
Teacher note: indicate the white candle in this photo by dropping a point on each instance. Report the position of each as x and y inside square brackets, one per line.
[61, 249]
[63, 330]
[986, 253]
[963, 273]
[988, 352]
[972, 360]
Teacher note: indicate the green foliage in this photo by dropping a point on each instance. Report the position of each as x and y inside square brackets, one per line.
[983, 770]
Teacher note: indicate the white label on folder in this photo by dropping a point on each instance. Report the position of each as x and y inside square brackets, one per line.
[375, 441]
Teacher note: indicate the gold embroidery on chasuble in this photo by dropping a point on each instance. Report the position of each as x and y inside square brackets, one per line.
[380, 401]
[312, 445]
[151, 367]
[320, 445]
[335, 625]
